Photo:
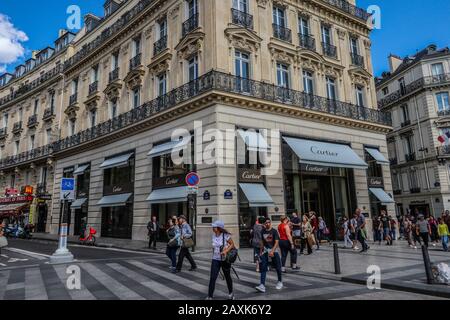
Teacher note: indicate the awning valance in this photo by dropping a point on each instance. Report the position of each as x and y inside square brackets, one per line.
[381, 195]
[325, 154]
[169, 195]
[167, 148]
[257, 195]
[12, 209]
[77, 204]
[377, 155]
[254, 140]
[115, 162]
[118, 200]
[80, 170]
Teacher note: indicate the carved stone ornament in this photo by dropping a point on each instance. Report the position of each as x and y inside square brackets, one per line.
[282, 56]
[148, 32]
[341, 33]
[191, 49]
[113, 91]
[281, 3]
[160, 67]
[262, 3]
[173, 12]
[367, 44]
[358, 79]
[134, 82]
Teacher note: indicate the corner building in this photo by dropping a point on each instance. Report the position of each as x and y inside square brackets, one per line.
[149, 67]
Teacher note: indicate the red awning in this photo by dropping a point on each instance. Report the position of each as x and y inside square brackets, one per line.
[14, 209]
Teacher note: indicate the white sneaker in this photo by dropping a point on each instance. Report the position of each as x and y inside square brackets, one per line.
[231, 296]
[283, 269]
[434, 244]
[415, 247]
[261, 288]
[279, 286]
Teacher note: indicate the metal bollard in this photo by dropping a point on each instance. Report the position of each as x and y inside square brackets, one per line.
[426, 261]
[337, 264]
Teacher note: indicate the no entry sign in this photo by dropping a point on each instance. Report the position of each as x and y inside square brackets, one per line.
[192, 179]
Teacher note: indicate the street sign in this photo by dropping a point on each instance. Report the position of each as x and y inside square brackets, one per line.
[193, 189]
[192, 179]
[206, 195]
[228, 195]
[67, 189]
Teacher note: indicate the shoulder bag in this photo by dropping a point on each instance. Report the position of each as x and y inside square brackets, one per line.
[232, 255]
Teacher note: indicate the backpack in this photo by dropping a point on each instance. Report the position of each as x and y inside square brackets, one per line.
[256, 238]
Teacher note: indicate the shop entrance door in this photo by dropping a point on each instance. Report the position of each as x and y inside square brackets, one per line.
[80, 214]
[247, 219]
[42, 218]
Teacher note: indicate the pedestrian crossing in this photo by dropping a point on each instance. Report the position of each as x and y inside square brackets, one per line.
[151, 279]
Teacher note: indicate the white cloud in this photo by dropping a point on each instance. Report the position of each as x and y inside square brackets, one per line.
[10, 42]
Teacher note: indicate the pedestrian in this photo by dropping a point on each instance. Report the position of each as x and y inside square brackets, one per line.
[347, 241]
[434, 231]
[323, 233]
[287, 244]
[174, 243]
[443, 233]
[153, 230]
[268, 251]
[315, 227]
[256, 234]
[186, 243]
[3, 240]
[352, 229]
[296, 225]
[307, 235]
[377, 230]
[222, 244]
[361, 234]
[386, 228]
[401, 219]
[423, 229]
[408, 232]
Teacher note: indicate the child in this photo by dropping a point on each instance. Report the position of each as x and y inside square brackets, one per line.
[443, 233]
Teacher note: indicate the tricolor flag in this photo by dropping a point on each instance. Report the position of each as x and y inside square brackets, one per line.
[441, 139]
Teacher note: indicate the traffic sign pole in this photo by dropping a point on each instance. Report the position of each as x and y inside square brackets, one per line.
[193, 180]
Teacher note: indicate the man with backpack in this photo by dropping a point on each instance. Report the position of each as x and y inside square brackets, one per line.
[256, 234]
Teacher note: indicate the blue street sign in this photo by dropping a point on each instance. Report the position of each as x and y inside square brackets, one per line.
[67, 189]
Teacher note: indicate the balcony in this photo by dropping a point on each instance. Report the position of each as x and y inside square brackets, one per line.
[307, 42]
[443, 151]
[329, 50]
[93, 88]
[17, 128]
[73, 99]
[160, 45]
[413, 87]
[444, 113]
[33, 121]
[397, 192]
[114, 75]
[410, 157]
[135, 62]
[349, 8]
[414, 190]
[242, 18]
[3, 133]
[41, 188]
[282, 33]
[190, 25]
[405, 123]
[48, 114]
[357, 60]
[393, 161]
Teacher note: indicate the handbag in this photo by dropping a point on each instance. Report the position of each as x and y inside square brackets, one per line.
[311, 240]
[326, 231]
[188, 243]
[3, 242]
[172, 243]
[232, 255]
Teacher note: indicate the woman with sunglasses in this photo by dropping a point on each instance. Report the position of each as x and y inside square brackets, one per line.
[222, 244]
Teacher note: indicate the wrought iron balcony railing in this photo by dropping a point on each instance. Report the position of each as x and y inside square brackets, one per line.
[414, 190]
[242, 18]
[17, 127]
[393, 161]
[160, 45]
[32, 121]
[93, 87]
[3, 132]
[135, 61]
[350, 9]
[357, 60]
[410, 157]
[405, 123]
[443, 79]
[443, 151]
[211, 81]
[329, 50]
[48, 114]
[443, 113]
[73, 99]
[114, 75]
[190, 24]
[307, 42]
[397, 192]
[282, 33]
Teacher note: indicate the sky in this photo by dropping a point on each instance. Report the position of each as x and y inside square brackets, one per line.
[406, 27]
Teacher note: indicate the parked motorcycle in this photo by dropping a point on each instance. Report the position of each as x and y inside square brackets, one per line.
[88, 238]
[18, 232]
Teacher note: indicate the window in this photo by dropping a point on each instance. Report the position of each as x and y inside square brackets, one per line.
[331, 88]
[94, 74]
[115, 61]
[108, 10]
[162, 28]
[385, 91]
[2, 151]
[43, 177]
[13, 181]
[162, 84]
[136, 46]
[16, 147]
[443, 101]
[282, 75]
[192, 8]
[402, 85]
[74, 86]
[304, 26]
[72, 123]
[326, 35]
[409, 146]
[242, 64]
[32, 142]
[413, 181]
[359, 96]
[5, 120]
[279, 17]
[193, 68]
[36, 107]
[437, 69]
[308, 82]
[354, 46]
[241, 5]
[405, 112]
[48, 136]
[136, 97]
[113, 108]
[20, 114]
[52, 101]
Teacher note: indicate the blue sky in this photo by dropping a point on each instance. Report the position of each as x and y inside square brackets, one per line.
[406, 25]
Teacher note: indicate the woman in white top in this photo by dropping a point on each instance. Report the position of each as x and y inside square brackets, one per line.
[222, 244]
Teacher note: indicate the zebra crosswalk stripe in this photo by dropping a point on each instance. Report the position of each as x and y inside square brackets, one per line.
[82, 294]
[34, 285]
[121, 291]
[4, 277]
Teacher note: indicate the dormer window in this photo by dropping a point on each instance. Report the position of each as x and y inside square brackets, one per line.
[108, 10]
[110, 7]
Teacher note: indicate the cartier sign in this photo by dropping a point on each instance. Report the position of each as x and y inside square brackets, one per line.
[169, 182]
[323, 152]
[250, 175]
[375, 182]
[311, 168]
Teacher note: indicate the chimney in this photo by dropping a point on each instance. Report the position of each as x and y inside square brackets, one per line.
[61, 32]
[394, 62]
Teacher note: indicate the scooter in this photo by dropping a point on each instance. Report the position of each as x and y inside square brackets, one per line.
[89, 239]
[18, 232]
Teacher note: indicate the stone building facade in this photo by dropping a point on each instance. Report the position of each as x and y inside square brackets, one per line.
[129, 79]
